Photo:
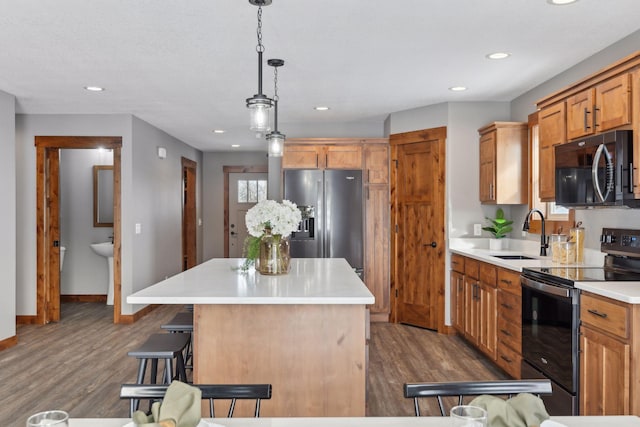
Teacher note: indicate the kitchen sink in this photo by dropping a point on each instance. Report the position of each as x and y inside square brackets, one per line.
[512, 257]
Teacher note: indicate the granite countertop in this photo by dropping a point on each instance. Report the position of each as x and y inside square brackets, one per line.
[218, 281]
[628, 292]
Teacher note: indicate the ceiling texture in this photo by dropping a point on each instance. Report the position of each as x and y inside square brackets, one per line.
[187, 66]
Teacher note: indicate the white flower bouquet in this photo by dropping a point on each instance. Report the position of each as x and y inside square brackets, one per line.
[280, 219]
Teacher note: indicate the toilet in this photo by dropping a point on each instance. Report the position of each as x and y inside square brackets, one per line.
[62, 251]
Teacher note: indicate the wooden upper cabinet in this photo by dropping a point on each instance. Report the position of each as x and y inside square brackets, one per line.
[504, 163]
[301, 157]
[343, 157]
[598, 109]
[580, 114]
[551, 132]
[613, 103]
[376, 164]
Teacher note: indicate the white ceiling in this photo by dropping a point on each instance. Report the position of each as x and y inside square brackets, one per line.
[187, 66]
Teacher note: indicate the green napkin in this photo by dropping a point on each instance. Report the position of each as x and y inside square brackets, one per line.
[523, 410]
[181, 405]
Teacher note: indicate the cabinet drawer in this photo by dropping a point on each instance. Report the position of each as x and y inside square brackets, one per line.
[509, 281]
[488, 274]
[457, 263]
[605, 314]
[509, 360]
[510, 334]
[510, 307]
[471, 268]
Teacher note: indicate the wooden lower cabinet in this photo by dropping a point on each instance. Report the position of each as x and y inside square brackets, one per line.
[604, 374]
[486, 307]
[609, 345]
[376, 250]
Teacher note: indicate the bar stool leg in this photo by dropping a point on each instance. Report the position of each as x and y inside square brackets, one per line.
[142, 368]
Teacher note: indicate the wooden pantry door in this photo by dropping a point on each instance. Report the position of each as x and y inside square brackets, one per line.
[418, 250]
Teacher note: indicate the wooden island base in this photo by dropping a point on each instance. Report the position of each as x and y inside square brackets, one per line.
[314, 355]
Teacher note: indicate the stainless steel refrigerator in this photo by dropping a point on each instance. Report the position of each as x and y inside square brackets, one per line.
[331, 206]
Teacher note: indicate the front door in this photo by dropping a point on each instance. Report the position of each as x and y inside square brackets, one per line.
[245, 190]
[419, 215]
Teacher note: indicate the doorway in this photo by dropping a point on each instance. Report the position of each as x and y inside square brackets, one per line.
[418, 246]
[48, 214]
[189, 235]
[234, 226]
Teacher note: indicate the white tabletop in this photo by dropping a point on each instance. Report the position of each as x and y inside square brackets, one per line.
[219, 281]
[619, 421]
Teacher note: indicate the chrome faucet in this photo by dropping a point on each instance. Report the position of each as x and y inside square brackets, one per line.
[543, 238]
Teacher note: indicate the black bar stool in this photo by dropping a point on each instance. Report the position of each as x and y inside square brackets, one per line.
[162, 346]
[183, 323]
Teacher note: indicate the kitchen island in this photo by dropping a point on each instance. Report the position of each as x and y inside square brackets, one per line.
[303, 332]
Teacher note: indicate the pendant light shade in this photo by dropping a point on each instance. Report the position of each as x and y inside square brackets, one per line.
[275, 140]
[259, 104]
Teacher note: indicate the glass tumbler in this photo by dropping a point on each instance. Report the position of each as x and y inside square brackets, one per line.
[468, 416]
[49, 419]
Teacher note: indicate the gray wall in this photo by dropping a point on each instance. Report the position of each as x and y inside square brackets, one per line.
[7, 217]
[213, 197]
[592, 220]
[151, 196]
[84, 272]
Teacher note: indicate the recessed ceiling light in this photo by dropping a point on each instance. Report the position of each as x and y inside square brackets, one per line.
[94, 88]
[321, 108]
[235, 145]
[498, 55]
[561, 2]
[219, 131]
[457, 88]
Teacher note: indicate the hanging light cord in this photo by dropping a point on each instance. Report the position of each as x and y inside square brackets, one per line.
[275, 97]
[260, 46]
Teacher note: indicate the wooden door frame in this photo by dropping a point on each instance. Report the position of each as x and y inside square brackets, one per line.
[228, 170]
[189, 221]
[396, 140]
[48, 289]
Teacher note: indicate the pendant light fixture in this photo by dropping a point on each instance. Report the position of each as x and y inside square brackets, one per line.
[259, 104]
[275, 139]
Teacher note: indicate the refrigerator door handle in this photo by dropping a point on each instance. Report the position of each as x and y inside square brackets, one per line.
[326, 250]
[319, 223]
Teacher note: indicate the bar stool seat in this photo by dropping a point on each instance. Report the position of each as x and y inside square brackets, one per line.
[162, 346]
[181, 323]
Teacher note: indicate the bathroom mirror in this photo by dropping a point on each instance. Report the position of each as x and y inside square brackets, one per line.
[103, 196]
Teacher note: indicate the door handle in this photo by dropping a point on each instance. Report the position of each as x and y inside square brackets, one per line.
[432, 244]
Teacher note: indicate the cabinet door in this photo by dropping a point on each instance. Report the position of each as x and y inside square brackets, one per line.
[604, 374]
[613, 102]
[580, 114]
[552, 132]
[343, 157]
[457, 301]
[301, 157]
[471, 310]
[488, 320]
[488, 168]
[376, 163]
[376, 274]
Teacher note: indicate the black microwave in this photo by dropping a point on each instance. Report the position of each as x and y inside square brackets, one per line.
[596, 171]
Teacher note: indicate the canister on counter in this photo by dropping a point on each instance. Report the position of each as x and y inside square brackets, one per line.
[577, 235]
[554, 244]
[567, 252]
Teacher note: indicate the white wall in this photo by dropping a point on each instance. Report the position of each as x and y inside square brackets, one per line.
[84, 272]
[213, 197]
[7, 217]
[592, 220]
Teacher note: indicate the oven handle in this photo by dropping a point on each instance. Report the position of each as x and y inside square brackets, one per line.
[543, 287]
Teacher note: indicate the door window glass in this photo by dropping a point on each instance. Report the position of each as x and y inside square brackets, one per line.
[252, 191]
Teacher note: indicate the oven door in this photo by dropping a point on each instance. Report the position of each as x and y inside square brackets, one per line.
[550, 330]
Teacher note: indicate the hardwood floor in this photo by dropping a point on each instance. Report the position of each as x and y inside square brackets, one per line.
[79, 363]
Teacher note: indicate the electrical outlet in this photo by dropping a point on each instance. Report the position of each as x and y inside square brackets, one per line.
[477, 229]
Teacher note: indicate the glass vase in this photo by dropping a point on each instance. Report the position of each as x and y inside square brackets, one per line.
[274, 254]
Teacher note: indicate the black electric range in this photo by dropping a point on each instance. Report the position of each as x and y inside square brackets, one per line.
[621, 264]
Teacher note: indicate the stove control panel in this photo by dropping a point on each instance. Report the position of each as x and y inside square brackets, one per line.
[620, 241]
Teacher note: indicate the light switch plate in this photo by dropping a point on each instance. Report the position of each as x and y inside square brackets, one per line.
[138, 228]
[477, 229]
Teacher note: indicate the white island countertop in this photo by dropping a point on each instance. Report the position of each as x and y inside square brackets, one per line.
[219, 281]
